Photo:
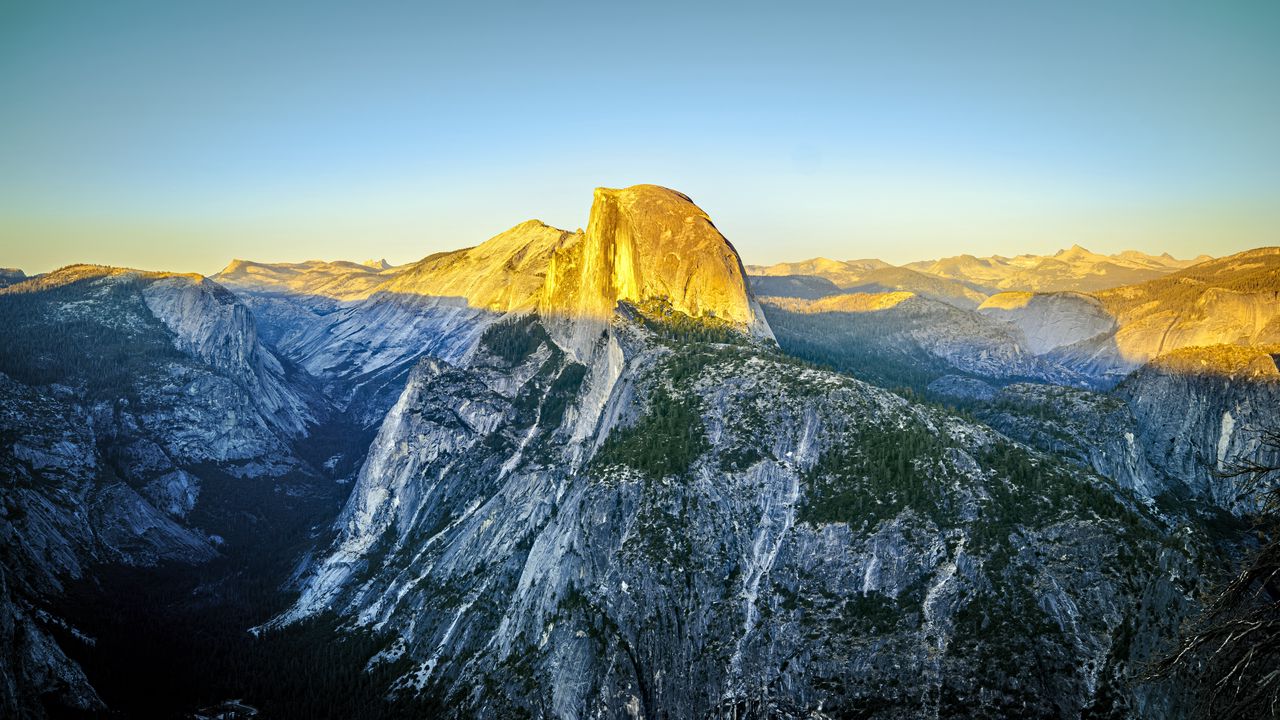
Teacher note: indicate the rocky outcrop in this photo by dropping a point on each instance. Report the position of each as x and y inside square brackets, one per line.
[649, 243]
[1049, 321]
[1202, 411]
[209, 323]
[641, 243]
[1172, 432]
[1096, 430]
[1232, 300]
[61, 514]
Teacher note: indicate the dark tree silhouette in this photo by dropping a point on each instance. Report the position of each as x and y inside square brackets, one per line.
[1231, 651]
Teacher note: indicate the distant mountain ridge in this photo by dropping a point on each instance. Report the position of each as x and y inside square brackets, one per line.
[1074, 268]
[966, 280]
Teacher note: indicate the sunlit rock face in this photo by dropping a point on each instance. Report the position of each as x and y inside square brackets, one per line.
[1049, 321]
[502, 274]
[643, 243]
[1228, 301]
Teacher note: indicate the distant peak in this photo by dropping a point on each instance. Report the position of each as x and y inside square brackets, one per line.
[1073, 251]
[380, 264]
[235, 266]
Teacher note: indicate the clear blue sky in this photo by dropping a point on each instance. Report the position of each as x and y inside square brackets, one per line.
[178, 135]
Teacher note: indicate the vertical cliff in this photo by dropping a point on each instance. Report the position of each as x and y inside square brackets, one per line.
[649, 243]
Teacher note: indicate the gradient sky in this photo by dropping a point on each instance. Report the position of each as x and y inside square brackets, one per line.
[178, 135]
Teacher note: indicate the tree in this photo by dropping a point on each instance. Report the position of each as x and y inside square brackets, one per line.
[1231, 651]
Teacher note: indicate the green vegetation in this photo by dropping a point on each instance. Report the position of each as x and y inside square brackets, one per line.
[514, 339]
[877, 472]
[1221, 360]
[857, 349]
[664, 442]
[659, 317]
[108, 352]
[562, 391]
[1257, 271]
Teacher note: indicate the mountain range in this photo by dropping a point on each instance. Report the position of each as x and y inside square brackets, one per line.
[615, 473]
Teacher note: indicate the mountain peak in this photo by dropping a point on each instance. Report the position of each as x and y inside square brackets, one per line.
[380, 264]
[649, 242]
[1073, 253]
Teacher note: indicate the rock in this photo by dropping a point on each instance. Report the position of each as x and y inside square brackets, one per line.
[1049, 321]
[900, 339]
[649, 243]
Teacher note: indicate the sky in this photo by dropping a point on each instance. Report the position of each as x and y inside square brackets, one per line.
[178, 136]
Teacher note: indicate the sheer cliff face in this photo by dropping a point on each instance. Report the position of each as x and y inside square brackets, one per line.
[1202, 411]
[647, 242]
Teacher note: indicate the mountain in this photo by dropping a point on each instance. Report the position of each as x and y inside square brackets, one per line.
[613, 473]
[1073, 269]
[900, 339]
[1169, 431]
[621, 500]
[864, 276]
[725, 522]
[142, 423]
[1049, 321]
[363, 347]
[340, 280]
[841, 272]
[1063, 337]
[1233, 300]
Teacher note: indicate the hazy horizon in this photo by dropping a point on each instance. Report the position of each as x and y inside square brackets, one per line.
[374, 257]
[179, 137]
